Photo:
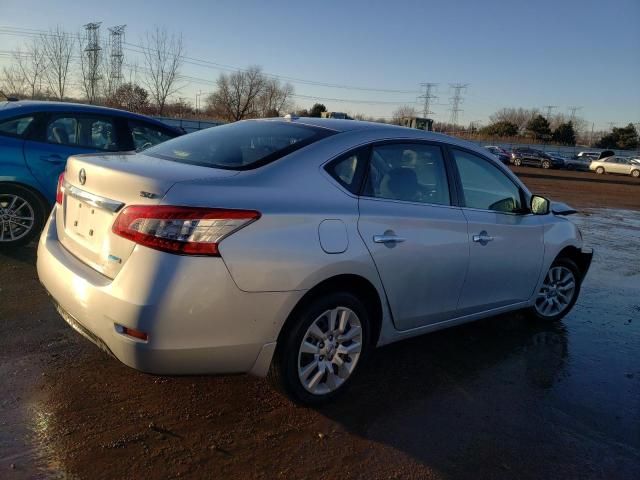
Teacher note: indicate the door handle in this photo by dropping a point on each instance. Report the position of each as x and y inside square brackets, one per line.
[483, 238]
[387, 239]
[52, 158]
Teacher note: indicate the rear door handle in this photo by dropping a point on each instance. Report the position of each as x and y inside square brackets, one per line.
[52, 158]
[387, 239]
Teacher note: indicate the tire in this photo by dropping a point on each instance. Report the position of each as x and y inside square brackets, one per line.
[567, 267]
[599, 170]
[22, 215]
[290, 363]
[635, 173]
[517, 162]
[545, 164]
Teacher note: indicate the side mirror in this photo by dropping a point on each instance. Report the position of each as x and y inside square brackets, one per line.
[539, 205]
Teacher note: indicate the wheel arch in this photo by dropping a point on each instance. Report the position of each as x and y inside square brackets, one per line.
[580, 258]
[355, 284]
[46, 206]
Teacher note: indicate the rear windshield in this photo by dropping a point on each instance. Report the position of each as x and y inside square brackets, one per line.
[239, 146]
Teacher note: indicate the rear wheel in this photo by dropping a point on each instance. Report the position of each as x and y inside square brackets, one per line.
[546, 164]
[635, 173]
[322, 349]
[22, 215]
[599, 170]
[559, 291]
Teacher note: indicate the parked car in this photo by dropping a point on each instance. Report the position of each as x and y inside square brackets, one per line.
[617, 165]
[589, 155]
[577, 163]
[537, 158]
[35, 140]
[295, 246]
[503, 155]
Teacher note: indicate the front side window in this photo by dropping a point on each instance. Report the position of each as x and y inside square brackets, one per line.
[146, 136]
[98, 133]
[408, 172]
[484, 186]
[240, 145]
[16, 127]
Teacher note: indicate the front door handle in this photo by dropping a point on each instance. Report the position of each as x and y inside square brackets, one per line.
[482, 238]
[52, 158]
[386, 238]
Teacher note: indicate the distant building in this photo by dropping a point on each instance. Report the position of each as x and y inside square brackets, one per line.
[417, 122]
[340, 115]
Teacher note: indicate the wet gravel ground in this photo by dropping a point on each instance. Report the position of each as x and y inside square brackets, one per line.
[501, 398]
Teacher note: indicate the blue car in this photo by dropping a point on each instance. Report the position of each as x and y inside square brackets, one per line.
[36, 138]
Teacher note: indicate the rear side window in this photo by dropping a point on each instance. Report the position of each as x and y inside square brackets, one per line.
[348, 170]
[15, 127]
[98, 133]
[240, 145]
[146, 136]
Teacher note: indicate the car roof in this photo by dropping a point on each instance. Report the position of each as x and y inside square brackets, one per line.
[29, 106]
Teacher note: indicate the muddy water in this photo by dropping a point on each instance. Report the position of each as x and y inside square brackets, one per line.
[501, 398]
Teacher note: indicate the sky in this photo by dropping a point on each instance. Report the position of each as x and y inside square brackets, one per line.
[511, 54]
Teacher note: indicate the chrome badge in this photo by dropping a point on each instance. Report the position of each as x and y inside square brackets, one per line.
[148, 195]
[82, 176]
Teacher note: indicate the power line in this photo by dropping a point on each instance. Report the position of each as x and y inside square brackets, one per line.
[13, 31]
[428, 97]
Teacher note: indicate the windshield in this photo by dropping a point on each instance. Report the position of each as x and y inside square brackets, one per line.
[239, 146]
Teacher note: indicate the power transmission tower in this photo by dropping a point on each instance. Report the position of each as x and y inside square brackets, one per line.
[549, 109]
[612, 124]
[92, 52]
[573, 109]
[428, 98]
[116, 36]
[456, 100]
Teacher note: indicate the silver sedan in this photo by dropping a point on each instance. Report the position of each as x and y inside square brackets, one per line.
[292, 247]
[615, 164]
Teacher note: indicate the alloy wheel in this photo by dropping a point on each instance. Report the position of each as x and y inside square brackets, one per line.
[330, 350]
[557, 292]
[17, 217]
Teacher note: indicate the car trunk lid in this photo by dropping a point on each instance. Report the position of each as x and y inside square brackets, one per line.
[98, 187]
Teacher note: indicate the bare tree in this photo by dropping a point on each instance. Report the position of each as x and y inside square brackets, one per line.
[58, 50]
[402, 112]
[275, 98]
[517, 116]
[13, 82]
[31, 64]
[163, 56]
[237, 95]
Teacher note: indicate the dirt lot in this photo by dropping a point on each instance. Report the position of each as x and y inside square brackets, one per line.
[501, 398]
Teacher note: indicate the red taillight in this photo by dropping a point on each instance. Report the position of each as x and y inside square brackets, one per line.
[182, 230]
[60, 190]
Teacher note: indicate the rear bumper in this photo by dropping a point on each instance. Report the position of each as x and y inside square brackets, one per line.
[197, 320]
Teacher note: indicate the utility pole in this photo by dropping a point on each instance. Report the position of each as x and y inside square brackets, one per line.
[428, 97]
[549, 109]
[456, 100]
[573, 109]
[92, 51]
[116, 36]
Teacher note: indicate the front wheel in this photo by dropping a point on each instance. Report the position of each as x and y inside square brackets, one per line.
[599, 170]
[517, 162]
[22, 215]
[546, 164]
[322, 349]
[559, 291]
[635, 173]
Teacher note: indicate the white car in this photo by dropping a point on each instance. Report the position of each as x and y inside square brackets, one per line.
[618, 165]
[295, 246]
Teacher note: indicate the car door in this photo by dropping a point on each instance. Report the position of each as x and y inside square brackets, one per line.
[61, 135]
[506, 242]
[530, 157]
[12, 134]
[621, 166]
[416, 236]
